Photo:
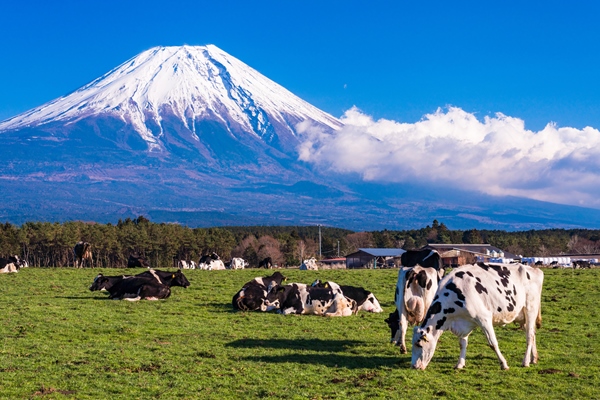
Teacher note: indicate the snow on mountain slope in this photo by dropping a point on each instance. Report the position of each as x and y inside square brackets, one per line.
[189, 82]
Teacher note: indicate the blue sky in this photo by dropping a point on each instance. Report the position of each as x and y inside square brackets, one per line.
[534, 60]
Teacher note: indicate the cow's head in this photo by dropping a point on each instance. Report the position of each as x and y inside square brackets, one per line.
[179, 279]
[251, 298]
[276, 297]
[100, 283]
[423, 347]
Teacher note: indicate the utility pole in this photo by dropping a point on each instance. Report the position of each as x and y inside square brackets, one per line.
[319, 240]
[338, 248]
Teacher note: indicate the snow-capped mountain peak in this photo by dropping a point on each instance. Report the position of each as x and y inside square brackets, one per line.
[189, 83]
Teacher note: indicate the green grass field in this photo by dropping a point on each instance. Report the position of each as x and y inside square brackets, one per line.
[59, 340]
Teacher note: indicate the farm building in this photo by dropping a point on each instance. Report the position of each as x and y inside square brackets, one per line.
[454, 255]
[374, 258]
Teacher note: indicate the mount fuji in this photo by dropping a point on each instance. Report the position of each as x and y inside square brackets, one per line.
[191, 134]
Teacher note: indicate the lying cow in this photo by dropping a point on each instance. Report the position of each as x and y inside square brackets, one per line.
[237, 263]
[184, 264]
[298, 298]
[415, 290]
[365, 300]
[10, 264]
[132, 288]
[212, 265]
[266, 263]
[424, 258]
[481, 295]
[309, 265]
[137, 261]
[252, 296]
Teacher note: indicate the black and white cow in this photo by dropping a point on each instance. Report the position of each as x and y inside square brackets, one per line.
[365, 300]
[298, 298]
[415, 289]
[252, 296]
[237, 263]
[133, 288]
[137, 261]
[10, 264]
[266, 263]
[170, 279]
[424, 258]
[184, 264]
[82, 252]
[481, 295]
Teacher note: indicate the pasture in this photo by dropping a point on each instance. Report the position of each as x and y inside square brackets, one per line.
[59, 340]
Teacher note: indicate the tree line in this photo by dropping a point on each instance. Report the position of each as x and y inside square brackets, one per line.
[45, 244]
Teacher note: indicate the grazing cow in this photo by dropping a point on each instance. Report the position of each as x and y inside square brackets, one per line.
[310, 265]
[365, 300]
[424, 258]
[415, 290]
[481, 295]
[137, 261]
[581, 264]
[298, 298]
[252, 295]
[82, 252]
[10, 264]
[237, 263]
[266, 263]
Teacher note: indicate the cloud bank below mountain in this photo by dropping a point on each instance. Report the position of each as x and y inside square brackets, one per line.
[453, 148]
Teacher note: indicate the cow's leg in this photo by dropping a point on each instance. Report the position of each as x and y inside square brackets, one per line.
[463, 342]
[488, 330]
[402, 330]
[531, 354]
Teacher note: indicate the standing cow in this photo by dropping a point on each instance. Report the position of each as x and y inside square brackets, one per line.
[82, 252]
[482, 295]
[415, 290]
[424, 258]
[267, 263]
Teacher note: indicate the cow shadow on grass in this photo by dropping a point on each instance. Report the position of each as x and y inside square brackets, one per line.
[81, 297]
[328, 353]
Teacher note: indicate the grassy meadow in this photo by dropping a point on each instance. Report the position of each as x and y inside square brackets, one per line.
[59, 341]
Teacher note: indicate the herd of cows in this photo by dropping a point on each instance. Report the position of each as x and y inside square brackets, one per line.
[478, 295]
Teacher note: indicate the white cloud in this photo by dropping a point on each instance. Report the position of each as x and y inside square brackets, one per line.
[496, 156]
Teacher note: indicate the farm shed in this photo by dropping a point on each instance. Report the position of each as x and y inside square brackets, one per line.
[454, 255]
[374, 258]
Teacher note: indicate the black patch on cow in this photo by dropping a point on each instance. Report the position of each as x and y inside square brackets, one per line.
[449, 310]
[451, 286]
[429, 283]
[508, 292]
[510, 307]
[440, 323]
[446, 294]
[422, 279]
[503, 273]
[484, 266]
[499, 290]
[470, 273]
[478, 279]
[459, 303]
[528, 277]
[435, 298]
[514, 290]
[480, 288]
[434, 308]
[460, 274]
[497, 283]
[499, 309]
